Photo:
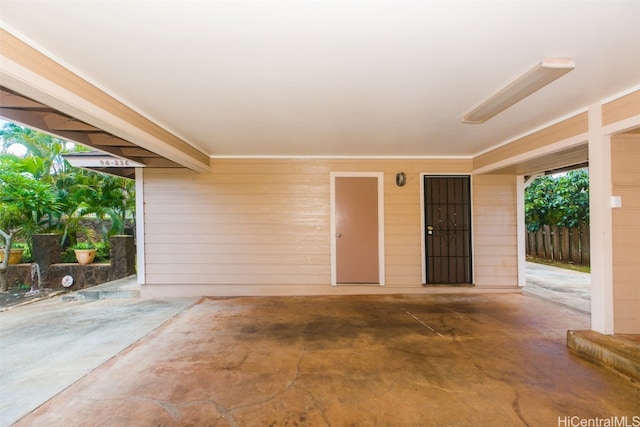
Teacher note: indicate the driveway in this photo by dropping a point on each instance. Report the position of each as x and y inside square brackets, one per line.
[562, 286]
[49, 345]
[436, 360]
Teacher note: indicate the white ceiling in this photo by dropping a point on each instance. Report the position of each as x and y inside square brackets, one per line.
[336, 78]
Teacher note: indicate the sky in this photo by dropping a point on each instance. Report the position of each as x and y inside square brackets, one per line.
[16, 149]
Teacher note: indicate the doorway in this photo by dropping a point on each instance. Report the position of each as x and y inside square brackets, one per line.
[357, 228]
[447, 234]
[556, 234]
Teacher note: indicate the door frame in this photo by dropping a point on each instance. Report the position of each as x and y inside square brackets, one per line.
[423, 231]
[380, 177]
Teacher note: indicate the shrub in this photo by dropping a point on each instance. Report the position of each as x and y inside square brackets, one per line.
[102, 252]
[84, 246]
[26, 255]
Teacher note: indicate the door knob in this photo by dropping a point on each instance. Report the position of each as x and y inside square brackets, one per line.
[429, 229]
[338, 234]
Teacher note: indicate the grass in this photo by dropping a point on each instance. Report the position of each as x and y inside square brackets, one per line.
[567, 266]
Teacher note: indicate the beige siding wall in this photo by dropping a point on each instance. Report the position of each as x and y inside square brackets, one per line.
[267, 223]
[495, 230]
[621, 108]
[249, 222]
[625, 178]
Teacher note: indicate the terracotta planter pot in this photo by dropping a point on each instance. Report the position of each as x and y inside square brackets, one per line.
[85, 256]
[15, 256]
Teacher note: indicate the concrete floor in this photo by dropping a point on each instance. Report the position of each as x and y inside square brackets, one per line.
[432, 360]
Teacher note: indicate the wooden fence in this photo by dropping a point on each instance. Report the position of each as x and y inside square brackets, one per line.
[560, 244]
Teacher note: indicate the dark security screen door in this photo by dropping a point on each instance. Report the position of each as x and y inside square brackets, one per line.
[447, 213]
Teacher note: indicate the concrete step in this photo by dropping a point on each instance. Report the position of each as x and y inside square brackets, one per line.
[620, 353]
[90, 294]
[123, 288]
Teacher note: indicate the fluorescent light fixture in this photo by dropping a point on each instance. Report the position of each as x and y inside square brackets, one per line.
[537, 78]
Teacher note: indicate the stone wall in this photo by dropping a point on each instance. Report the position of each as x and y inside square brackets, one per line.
[47, 253]
[96, 226]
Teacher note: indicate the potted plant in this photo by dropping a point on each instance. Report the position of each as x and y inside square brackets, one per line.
[15, 254]
[85, 252]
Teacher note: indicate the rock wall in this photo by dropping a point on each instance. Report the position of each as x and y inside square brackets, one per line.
[47, 254]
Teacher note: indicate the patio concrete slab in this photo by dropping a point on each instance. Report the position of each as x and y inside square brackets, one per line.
[337, 361]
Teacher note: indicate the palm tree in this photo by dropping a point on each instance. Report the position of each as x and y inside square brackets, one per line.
[113, 204]
[78, 192]
[45, 151]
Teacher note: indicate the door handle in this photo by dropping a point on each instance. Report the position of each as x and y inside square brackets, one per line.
[338, 234]
[429, 229]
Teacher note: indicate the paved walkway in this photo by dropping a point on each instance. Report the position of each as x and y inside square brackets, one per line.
[566, 287]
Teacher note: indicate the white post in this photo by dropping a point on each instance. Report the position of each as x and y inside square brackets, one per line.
[601, 224]
[521, 232]
[140, 225]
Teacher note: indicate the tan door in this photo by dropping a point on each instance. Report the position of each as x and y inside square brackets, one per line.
[356, 204]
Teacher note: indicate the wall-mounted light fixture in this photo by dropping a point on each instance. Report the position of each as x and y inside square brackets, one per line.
[537, 78]
[401, 179]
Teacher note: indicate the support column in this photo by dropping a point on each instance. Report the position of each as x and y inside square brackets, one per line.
[521, 231]
[601, 224]
[140, 226]
[123, 258]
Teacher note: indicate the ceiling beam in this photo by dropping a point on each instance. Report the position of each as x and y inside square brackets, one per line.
[12, 100]
[56, 121]
[103, 139]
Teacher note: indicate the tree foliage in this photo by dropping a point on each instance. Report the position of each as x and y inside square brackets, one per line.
[561, 200]
[26, 202]
[41, 191]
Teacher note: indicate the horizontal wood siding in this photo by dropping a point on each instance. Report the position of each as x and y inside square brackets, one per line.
[566, 129]
[247, 222]
[625, 179]
[267, 221]
[495, 230]
[621, 108]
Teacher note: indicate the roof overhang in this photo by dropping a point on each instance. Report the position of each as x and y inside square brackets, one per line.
[40, 93]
